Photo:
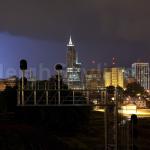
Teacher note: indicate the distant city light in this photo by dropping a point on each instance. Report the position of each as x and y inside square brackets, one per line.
[93, 61]
[129, 109]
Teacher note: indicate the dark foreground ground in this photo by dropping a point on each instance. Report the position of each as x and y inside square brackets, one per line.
[23, 135]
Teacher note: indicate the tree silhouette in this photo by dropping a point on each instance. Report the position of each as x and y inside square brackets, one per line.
[133, 89]
[8, 99]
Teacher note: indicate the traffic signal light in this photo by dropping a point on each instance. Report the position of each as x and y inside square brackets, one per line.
[134, 129]
[134, 119]
[58, 67]
[23, 64]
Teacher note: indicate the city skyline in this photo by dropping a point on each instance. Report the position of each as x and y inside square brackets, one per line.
[47, 63]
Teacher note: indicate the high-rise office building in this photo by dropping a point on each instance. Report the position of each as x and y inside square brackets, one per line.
[114, 77]
[73, 67]
[128, 76]
[93, 79]
[140, 71]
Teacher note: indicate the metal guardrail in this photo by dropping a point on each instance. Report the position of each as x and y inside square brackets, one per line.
[51, 97]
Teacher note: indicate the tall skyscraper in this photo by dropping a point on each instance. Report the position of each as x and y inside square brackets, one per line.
[140, 71]
[114, 77]
[73, 67]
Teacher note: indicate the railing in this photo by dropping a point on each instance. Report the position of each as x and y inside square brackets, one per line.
[36, 93]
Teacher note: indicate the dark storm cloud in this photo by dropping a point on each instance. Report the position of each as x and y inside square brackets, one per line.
[125, 19]
[106, 27]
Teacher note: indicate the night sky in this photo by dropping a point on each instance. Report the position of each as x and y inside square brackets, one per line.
[39, 30]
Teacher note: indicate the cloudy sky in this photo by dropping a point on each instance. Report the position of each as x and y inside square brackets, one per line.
[38, 30]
